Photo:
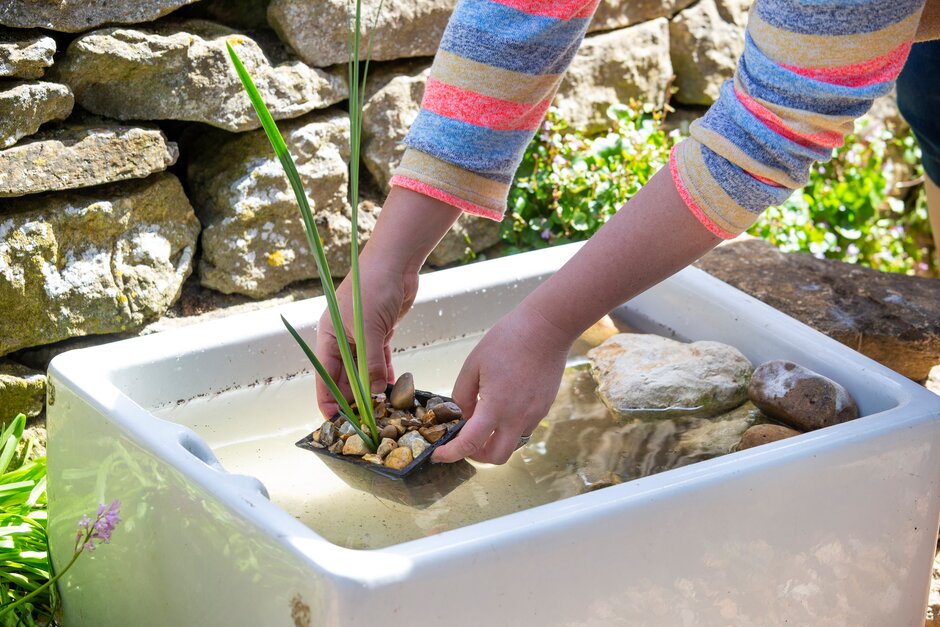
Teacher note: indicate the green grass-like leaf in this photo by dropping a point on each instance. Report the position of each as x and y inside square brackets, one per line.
[356, 373]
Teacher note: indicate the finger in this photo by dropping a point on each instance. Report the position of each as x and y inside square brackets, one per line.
[376, 361]
[389, 369]
[470, 441]
[328, 353]
[501, 445]
[467, 387]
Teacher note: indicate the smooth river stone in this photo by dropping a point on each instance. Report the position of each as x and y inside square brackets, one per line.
[765, 434]
[800, 397]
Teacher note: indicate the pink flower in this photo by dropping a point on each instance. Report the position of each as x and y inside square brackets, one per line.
[98, 530]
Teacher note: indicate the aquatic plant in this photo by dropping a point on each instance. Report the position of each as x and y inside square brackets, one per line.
[355, 365]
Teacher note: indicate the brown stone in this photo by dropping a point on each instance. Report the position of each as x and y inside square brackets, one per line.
[800, 397]
[403, 392]
[892, 318]
[355, 446]
[399, 458]
[443, 412]
[765, 434]
[386, 446]
[433, 433]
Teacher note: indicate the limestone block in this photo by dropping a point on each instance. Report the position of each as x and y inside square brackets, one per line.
[27, 105]
[182, 71]
[318, 29]
[79, 15]
[22, 391]
[101, 260]
[25, 54]
[892, 318]
[614, 67]
[387, 117]
[706, 41]
[254, 241]
[613, 14]
[81, 154]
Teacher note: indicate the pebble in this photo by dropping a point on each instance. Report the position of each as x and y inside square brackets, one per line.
[434, 400]
[328, 433]
[415, 441]
[765, 434]
[399, 458]
[389, 432]
[337, 447]
[372, 458]
[433, 433]
[799, 397]
[386, 446]
[354, 446]
[403, 392]
[444, 412]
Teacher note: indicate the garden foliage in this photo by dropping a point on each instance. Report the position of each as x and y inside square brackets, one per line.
[24, 556]
[852, 209]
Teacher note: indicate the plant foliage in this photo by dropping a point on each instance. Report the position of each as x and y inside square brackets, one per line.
[24, 555]
[570, 183]
[355, 365]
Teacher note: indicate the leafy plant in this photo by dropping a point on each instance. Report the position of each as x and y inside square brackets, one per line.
[355, 366]
[570, 183]
[847, 210]
[24, 556]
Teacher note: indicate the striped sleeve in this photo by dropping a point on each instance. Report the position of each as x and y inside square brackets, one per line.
[498, 67]
[809, 69]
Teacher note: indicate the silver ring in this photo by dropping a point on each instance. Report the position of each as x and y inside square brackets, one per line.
[523, 441]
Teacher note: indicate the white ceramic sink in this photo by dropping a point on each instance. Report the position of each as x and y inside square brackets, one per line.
[835, 527]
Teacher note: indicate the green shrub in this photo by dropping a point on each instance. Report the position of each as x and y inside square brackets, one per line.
[24, 556]
[570, 184]
[847, 212]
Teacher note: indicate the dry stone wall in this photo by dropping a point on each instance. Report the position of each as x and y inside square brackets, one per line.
[132, 169]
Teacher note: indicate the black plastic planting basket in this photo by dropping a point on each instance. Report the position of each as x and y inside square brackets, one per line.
[420, 461]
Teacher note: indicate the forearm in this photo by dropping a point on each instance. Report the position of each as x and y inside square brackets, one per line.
[409, 227]
[651, 237]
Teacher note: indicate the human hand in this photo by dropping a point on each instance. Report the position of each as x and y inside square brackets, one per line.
[515, 370]
[409, 227]
[387, 295]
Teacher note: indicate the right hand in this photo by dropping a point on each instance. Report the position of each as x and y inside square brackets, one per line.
[409, 227]
[387, 295]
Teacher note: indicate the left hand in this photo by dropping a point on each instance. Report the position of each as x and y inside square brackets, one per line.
[515, 371]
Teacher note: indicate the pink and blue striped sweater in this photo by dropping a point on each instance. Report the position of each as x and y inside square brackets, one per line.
[809, 69]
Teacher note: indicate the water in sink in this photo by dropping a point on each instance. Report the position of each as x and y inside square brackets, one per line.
[579, 446]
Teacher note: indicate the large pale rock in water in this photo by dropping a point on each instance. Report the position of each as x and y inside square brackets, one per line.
[648, 376]
[25, 106]
[182, 71]
[614, 67]
[892, 318]
[706, 40]
[72, 16]
[318, 29]
[613, 14]
[82, 154]
[22, 391]
[25, 54]
[253, 241]
[102, 260]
